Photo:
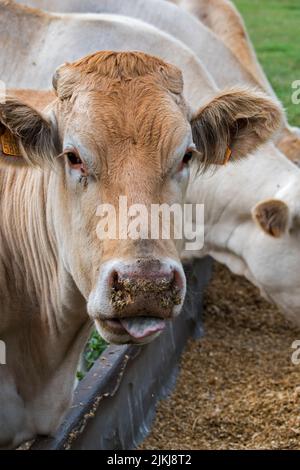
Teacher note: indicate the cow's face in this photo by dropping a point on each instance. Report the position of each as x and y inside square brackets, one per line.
[134, 148]
[120, 134]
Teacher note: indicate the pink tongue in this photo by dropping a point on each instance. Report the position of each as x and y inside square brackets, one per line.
[141, 327]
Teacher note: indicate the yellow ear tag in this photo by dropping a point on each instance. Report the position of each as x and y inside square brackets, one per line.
[9, 144]
[227, 156]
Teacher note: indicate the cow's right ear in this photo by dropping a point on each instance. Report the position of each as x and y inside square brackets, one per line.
[26, 136]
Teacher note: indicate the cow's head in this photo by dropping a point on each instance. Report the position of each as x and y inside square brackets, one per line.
[120, 127]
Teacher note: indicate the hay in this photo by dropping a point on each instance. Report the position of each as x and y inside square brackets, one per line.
[238, 388]
[127, 291]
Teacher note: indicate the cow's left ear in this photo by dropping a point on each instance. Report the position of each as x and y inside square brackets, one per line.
[272, 216]
[26, 136]
[233, 124]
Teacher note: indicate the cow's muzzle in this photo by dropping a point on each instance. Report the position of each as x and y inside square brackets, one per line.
[140, 297]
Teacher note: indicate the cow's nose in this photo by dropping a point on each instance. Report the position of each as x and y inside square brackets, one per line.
[146, 287]
[143, 269]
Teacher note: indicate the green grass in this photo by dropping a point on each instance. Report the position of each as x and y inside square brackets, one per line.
[93, 350]
[274, 27]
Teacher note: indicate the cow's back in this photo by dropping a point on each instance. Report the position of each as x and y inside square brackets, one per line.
[66, 38]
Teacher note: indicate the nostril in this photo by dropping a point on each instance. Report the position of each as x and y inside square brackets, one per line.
[113, 279]
[177, 279]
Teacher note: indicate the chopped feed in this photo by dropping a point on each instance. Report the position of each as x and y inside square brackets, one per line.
[238, 388]
[126, 291]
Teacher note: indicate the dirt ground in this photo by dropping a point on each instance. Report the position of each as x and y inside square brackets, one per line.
[237, 388]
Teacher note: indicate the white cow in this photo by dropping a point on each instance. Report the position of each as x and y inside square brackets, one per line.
[252, 224]
[223, 18]
[27, 61]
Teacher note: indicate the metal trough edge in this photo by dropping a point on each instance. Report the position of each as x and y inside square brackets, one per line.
[114, 405]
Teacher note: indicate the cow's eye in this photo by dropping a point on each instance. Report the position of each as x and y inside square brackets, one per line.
[73, 159]
[187, 158]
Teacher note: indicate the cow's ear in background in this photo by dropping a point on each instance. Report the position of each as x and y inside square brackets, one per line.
[272, 216]
[26, 137]
[234, 124]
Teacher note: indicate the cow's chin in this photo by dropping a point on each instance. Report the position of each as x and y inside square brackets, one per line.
[118, 335]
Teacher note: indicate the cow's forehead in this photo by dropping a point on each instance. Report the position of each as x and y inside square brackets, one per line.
[134, 94]
[147, 118]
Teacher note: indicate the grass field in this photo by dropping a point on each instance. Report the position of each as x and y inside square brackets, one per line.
[274, 27]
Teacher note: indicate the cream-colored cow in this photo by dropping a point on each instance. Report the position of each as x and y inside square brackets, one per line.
[223, 18]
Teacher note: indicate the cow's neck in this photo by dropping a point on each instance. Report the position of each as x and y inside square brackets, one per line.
[31, 264]
[228, 221]
[43, 316]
